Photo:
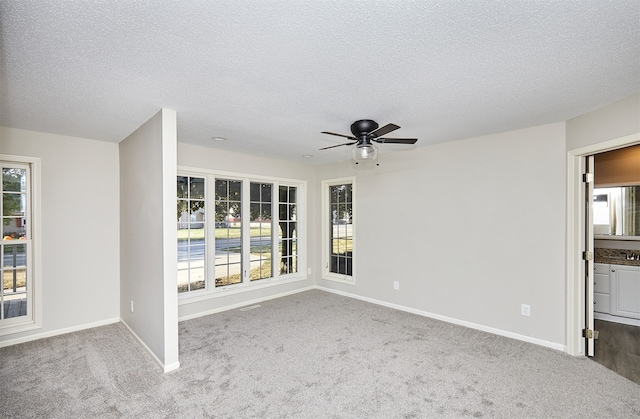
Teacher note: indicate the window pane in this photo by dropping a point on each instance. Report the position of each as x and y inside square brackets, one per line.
[254, 192]
[266, 212]
[14, 227]
[14, 180]
[14, 280]
[196, 278]
[254, 208]
[197, 188]
[182, 210]
[13, 204]
[183, 279]
[266, 192]
[284, 194]
[197, 214]
[182, 187]
[14, 255]
[235, 188]
[347, 194]
[222, 189]
[14, 306]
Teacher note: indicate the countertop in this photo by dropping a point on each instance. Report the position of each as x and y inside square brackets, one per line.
[616, 256]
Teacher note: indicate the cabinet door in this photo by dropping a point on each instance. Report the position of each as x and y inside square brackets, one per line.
[601, 303]
[601, 283]
[625, 291]
[601, 268]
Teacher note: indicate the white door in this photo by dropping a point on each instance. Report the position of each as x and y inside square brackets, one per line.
[588, 259]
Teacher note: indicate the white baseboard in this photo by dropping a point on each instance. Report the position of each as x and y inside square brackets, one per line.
[58, 332]
[483, 328]
[616, 319]
[165, 368]
[244, 303]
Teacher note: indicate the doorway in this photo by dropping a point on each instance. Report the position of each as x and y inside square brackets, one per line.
[615, 204]
[616, 341]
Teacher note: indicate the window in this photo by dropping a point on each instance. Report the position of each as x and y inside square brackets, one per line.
[236, 249]
[191, 223]
[16, 247]
[260, 231]
[338, 225]
[288, 230]
[228, 232]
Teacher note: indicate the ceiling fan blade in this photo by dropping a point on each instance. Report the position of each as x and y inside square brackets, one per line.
[339, 135]
[337, 145]
[383, 130]
[395, 140]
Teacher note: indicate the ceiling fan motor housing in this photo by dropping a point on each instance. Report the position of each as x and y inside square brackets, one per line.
[363, 127]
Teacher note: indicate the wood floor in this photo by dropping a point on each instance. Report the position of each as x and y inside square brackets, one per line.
[618, 348]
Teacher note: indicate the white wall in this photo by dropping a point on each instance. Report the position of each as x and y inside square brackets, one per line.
[80, 257]
[219, 160]
[148, 275]
[471, 229]
[617, 120]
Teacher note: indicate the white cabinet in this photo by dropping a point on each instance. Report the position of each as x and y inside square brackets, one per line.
[601, 285]
[625, 291]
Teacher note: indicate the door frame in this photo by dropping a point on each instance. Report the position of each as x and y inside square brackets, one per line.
[575, 266]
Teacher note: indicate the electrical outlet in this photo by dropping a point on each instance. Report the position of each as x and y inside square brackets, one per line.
[308, 271]
[131, 306]
[525, 310]
[396, 285]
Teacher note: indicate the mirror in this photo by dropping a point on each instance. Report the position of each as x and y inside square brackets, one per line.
[616, 211]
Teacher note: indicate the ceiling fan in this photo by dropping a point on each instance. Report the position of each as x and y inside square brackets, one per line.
[366, 131]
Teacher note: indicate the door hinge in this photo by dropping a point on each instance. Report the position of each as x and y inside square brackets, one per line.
[587, 255]
[587, 177]
[590, 334]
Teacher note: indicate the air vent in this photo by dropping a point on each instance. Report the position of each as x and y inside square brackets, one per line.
[250, 307]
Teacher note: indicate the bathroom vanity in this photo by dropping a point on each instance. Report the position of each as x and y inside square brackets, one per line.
[616, 290]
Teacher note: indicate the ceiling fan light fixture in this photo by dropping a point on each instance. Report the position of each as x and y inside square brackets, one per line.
[365, 152]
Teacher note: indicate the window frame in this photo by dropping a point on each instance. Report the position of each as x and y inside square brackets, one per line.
[210, 290]
[33, 319]
[326, 226]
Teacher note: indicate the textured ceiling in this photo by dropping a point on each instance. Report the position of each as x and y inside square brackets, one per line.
[270, 75]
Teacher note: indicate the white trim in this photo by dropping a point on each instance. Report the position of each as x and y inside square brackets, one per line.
[165, 368]
[574, 266]
[35, 229]
[575, 238]
[169, 150]
[196, 171]
[58, 332]
[451, 320]
[197, 296]
[244, 303]
[616, 319]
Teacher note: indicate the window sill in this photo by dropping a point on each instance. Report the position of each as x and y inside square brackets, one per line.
[343, 279]
[236, 289]
[18, 328]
